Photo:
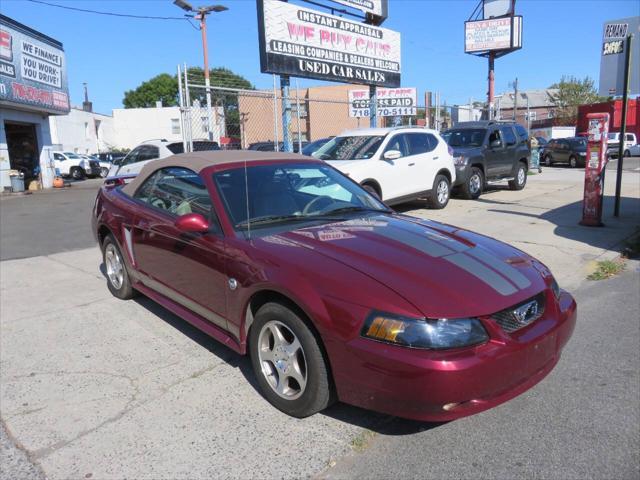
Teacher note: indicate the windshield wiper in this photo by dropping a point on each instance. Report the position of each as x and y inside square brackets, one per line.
[271, 219]
[354, 209]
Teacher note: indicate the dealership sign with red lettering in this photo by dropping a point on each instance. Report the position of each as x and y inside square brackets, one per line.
[504, 33]
[32, 70]
[392, 102]
[301, 42]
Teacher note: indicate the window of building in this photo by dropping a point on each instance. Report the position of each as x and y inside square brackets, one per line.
[175, 126]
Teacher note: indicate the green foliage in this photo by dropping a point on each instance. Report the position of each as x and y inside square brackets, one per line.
[607, 269]
[571, 93]
[162, 87]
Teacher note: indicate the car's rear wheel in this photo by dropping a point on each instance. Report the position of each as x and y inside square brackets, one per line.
[547, 160]
[77, 173]
[520, 181]
[573, 161]
[472, 188]
[288, 362]
[118, 279]
[627, 153]
[439, 196]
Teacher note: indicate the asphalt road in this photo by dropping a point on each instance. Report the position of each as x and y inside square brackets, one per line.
[46, 222]
[581, 422]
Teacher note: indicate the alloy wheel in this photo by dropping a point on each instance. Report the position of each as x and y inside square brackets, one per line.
[282, 360]
[474, 183]
[572, 162]
[114, 265]
[522, 175]
[442, 192]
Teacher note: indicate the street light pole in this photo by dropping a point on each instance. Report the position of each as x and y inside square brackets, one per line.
[201, 14]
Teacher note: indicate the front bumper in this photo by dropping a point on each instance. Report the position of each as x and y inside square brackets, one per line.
[431, 385]
[462, 175]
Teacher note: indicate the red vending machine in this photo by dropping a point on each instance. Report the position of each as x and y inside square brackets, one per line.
[594, 169]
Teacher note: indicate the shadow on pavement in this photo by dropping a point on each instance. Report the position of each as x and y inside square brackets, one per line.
[377, 422]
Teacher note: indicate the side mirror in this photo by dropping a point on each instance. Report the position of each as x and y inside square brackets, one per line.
[192, 223]
[496, 144]
[392, 155]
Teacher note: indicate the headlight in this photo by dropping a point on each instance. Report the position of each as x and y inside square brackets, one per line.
[424, 333]
[460, 161]
[582, 154]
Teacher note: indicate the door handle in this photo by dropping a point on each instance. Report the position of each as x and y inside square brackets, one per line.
[436, 158]
[412, 164]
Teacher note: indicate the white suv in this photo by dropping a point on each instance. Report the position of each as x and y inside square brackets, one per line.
[614, 144]
[152, 150]
[71, 164]
[396, 164]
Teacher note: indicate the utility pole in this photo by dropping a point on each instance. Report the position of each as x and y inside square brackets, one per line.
[490, 94]
[515, 100]
[201, 14]
[623, 123]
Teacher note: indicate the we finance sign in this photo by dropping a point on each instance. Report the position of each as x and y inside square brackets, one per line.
[300, 42]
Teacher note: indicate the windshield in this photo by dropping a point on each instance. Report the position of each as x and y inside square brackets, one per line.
[612, 136]
[466, 137]
[72, 155]
[358, 147]
[579, 142]
[290, 194]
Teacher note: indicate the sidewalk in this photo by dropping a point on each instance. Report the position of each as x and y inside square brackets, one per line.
[543, 220]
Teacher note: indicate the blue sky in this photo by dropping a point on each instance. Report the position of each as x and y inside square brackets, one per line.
[111, 54]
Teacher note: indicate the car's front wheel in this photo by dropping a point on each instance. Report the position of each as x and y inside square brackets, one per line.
[520, 181]
[627, 153]
[573, 161]
[118, 279]
[547, 160]
[439, 196]
[288, 362]
[472, 188]
[104, 172]
[77, 173]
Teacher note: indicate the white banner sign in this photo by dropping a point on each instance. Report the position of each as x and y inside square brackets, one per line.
[301, 42]
[494, 34]
[392, 102]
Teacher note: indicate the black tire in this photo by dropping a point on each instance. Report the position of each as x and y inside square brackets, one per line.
[104, 172]
[520, 181]
[573, 161]
[472, 188]
[125, 291]
[77, 173]
[372, 190]
[317, 393]
[435, 200]
[548, 161]
[627, 153]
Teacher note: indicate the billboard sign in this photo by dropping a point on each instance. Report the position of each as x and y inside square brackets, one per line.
[494, 34]
[374, 7]
[496, 8]
[612, 57]
[33, 70]
[392, 102]
[301, 42]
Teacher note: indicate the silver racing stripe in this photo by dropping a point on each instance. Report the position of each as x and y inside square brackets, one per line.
[505, 269]
[415, 240]
[484, 273]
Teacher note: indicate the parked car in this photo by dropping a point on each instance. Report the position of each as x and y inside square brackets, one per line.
[634, 150]
[330, 293]
[74, 165]
[103, 166]
[613, 145]
[566, 150]
[395, 164]
[150, 150]
[489, 151]
[270, 147]
[111, 157]
[314, 146]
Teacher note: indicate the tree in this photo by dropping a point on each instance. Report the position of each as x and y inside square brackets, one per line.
[163, 87]
[572, 92]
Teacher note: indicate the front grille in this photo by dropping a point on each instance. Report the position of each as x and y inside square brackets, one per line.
[521, 315]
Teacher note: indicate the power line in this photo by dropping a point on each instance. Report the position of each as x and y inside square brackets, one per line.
[112, 14]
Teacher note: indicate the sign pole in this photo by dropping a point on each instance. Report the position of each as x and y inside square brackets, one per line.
[373, 107]
[286, 114]
[623, 123]
[492, 57]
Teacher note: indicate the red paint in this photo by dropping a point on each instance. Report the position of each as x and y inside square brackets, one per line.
[614, 109]
[336, 274]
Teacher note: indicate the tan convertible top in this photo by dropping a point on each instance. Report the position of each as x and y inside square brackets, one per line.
[197, 161]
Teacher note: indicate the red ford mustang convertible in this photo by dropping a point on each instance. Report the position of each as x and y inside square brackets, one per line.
[333, 295]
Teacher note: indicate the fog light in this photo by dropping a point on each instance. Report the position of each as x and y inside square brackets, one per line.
[450, 406]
